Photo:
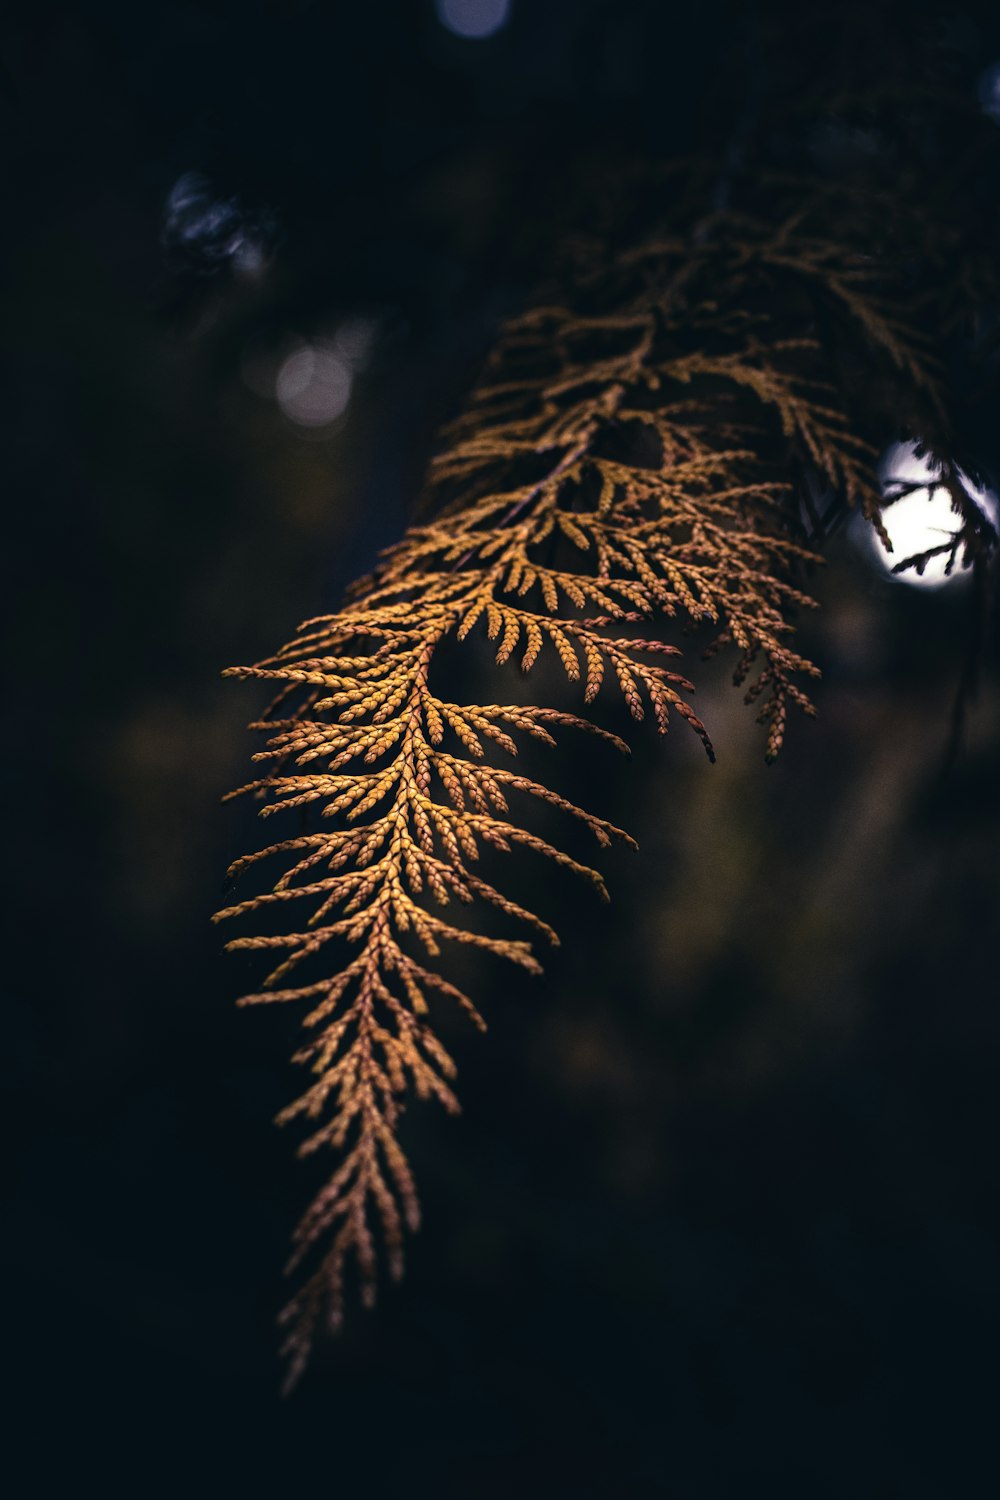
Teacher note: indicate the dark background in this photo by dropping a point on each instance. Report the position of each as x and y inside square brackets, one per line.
[720, 1215]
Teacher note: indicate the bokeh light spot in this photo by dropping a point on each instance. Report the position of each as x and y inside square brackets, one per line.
[475, 19]
[920, 517]
[313, 385]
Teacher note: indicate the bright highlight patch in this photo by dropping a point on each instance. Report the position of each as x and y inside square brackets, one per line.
[919, 518]
[313, 385]
[473, 19]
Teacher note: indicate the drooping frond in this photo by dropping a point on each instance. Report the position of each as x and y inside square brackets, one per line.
[634, 461]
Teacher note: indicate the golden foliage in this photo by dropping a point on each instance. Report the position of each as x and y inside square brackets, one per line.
[636, 455]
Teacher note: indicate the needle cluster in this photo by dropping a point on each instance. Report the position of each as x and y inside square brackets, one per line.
[639, 458]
